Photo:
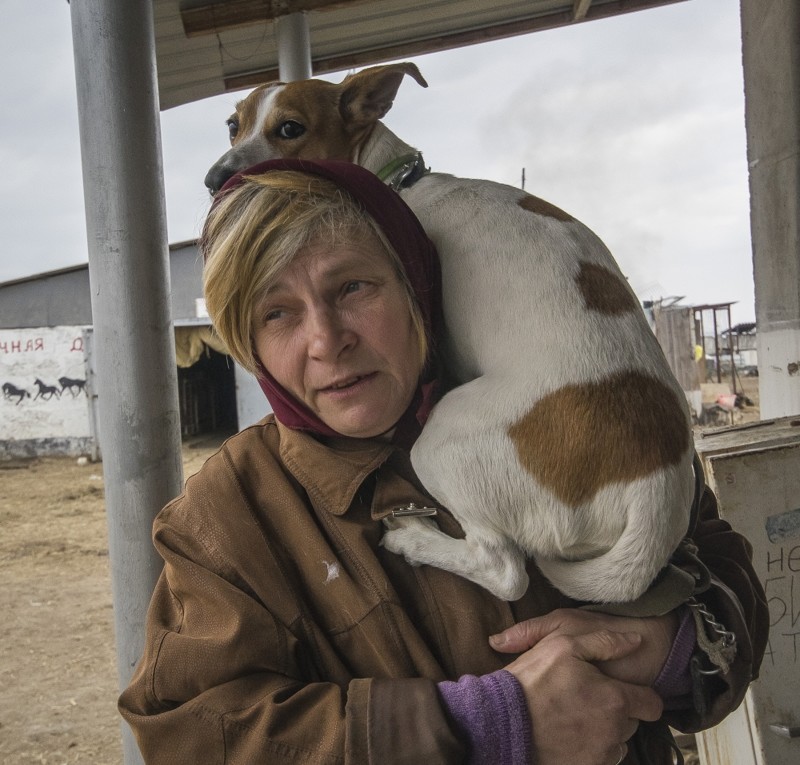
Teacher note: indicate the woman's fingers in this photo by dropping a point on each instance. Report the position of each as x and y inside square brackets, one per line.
[605, 645]
[524, 635]
[618, 754]
[641, 703]
[579, 715]
[641, 667]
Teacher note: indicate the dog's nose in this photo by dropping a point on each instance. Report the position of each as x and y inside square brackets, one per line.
[216, 177]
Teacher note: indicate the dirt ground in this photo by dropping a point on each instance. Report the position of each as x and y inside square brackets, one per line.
[58, 677]
[748, 412]
[58, 683]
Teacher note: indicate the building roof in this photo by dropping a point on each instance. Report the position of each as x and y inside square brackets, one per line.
[62, 297]
[44, 275]
[209, 47]
[80, 267]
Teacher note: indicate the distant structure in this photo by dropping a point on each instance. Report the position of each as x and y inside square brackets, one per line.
[49, 403]
[702, 347]
[741, 339]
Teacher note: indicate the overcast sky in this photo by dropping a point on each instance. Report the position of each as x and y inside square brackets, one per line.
[633, 124]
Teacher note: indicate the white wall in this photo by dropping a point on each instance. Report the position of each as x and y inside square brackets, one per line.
[251, 403]
[40, 423]
[47, 354]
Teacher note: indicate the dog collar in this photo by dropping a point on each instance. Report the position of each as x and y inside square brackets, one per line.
[404, 171]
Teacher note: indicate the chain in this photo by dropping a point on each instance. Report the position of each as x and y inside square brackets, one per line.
[720, 650]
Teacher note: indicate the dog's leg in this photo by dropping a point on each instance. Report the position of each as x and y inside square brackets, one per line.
[493, 562]
[467, 462]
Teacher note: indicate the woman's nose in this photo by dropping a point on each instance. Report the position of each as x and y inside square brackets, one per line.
[328, 334]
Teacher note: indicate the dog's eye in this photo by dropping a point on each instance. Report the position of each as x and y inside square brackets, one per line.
[233, 128]
[291, 129]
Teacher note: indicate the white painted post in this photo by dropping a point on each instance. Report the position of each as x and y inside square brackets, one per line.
[115, 70]
[294, 47]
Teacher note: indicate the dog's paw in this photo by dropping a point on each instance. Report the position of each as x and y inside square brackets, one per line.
[409, 537]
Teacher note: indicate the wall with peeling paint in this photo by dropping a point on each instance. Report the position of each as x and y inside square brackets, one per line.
[52, 413]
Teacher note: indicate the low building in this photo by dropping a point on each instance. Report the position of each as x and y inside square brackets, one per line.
[49, 403]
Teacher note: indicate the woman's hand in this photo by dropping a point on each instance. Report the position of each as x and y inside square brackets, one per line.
[578, 714]
[640, 666]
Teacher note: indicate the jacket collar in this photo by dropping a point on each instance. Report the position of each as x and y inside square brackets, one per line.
[330, 472]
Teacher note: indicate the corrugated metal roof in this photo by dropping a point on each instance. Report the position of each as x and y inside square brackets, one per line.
[209, 47]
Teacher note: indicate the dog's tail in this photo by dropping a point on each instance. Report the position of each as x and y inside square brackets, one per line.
[657, 519]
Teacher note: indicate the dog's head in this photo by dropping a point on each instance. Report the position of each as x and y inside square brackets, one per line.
[308, 119]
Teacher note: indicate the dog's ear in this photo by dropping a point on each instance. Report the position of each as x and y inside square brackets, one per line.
[368, 95]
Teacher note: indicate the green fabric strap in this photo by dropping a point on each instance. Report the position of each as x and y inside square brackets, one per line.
[388, 170]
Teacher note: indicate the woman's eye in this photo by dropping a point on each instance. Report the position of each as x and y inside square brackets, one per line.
[291, 129]
[353, 286]
[273, 315]
[233, 128]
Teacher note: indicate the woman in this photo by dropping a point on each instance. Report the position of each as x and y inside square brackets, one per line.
[281, 631]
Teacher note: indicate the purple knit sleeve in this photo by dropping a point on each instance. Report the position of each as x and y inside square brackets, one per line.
[674, 682]
[491, 713]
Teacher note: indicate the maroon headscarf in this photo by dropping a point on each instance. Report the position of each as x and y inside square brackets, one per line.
[421, 264]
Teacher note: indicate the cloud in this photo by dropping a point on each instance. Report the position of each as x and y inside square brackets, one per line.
[42, 198]
[641, 135]
[634, 124]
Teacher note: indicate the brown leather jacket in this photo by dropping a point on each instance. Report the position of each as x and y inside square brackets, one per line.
[281, 631]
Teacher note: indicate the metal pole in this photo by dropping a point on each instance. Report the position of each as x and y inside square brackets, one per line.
[115, 70]
[730, 350]
[294, 47]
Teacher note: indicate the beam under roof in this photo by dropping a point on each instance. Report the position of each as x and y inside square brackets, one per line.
[207, 47]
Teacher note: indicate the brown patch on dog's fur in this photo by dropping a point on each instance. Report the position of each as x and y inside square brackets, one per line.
[337, 118]
[367, 96]
[312, 103]
[582, 437]
[540, 207]
[603, 291]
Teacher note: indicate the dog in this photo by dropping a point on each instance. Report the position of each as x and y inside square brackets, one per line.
[567, 439]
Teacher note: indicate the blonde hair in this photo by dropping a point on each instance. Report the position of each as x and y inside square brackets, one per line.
[258, 228]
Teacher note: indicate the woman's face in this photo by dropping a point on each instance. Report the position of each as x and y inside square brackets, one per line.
[336, 332]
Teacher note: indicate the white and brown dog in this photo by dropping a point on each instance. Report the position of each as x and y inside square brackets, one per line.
[568, 439]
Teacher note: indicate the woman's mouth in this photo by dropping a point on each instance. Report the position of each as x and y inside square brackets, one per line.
[345, 383]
